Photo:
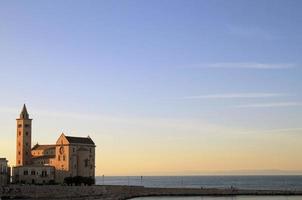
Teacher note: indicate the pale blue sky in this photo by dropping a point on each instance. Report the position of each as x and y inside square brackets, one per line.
[226, 63]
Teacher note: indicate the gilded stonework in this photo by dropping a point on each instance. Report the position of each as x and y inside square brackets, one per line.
[68, 157]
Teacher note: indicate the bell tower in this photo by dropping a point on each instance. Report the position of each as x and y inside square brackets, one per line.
[23, 154]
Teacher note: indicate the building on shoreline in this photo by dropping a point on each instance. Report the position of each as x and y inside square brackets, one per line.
[34, 174]
[4, 172]
[68, 157]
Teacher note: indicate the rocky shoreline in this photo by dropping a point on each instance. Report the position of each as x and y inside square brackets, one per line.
[121, 192]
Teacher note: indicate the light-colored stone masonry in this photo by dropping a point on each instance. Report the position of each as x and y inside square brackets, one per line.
[69, 157]
[120, 192]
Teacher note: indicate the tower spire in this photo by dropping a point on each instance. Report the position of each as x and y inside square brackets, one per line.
[24, 114]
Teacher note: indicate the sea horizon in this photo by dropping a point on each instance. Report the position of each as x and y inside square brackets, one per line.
[200, 175]
[269, 182]
[132, 98]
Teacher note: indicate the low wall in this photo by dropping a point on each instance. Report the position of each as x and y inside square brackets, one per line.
[120, 192]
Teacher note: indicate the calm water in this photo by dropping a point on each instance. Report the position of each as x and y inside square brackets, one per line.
[242, 182]
[225, 198]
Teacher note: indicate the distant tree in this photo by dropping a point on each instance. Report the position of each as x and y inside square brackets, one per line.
[88, 181]
[68, 180]
[91, 181]
[79, 180]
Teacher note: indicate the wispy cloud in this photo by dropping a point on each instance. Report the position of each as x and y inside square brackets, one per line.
[248, 65]
[270, 105]
[237, 95]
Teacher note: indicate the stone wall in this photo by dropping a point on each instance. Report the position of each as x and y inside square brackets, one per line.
[4, 172]
[120, 192]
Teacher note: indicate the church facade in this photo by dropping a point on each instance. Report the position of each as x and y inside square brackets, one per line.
[68, 157]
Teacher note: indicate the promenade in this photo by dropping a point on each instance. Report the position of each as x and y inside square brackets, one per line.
[121, 192]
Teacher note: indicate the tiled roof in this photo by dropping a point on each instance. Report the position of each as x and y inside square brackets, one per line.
[43, 147]
[79, 140]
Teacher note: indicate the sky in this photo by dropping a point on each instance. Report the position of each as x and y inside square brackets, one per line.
[163, 87]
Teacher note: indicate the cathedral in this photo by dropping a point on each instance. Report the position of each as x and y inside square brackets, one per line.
[52, 163]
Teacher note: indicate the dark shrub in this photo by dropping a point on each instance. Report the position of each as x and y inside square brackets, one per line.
[79, 180]
[68, 180]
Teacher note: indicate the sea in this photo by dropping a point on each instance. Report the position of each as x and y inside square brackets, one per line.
[240, 182]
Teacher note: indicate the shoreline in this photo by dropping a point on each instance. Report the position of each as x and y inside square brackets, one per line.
[110, 192]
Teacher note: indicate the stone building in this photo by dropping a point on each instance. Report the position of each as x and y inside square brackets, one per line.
[75, 156]
[68, 157]
[4, 172]
[34, 174]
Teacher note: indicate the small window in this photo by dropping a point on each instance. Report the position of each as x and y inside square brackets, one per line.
[19, 162]
[33, 172]
[90, 150]
[59, 158]
[86, 163]
[25, 172]
[44, 173]
[19, 152]
[73, 149]
[19, 125]
[26, 143]
[27, 125]
[26, 133]
[64, 158]
[19, 133]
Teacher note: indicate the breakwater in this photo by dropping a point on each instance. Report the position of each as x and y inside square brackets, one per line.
[121, 192]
